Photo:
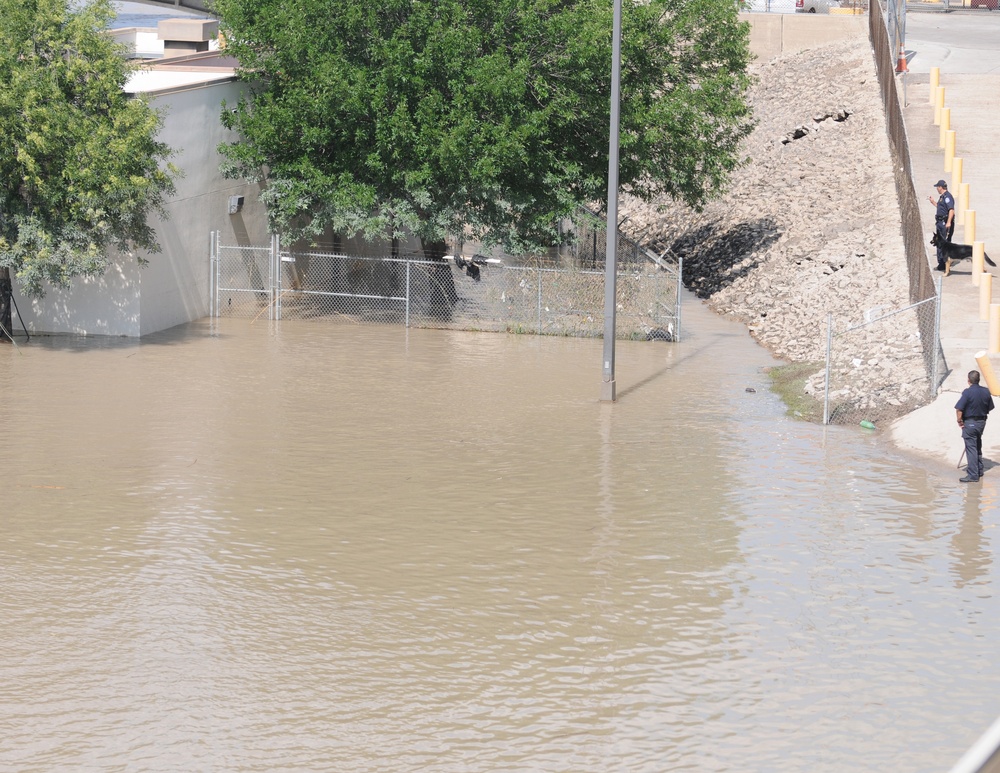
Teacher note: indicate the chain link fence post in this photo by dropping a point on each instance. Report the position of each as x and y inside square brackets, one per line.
[826, 389]
[937, 340]
[677, 298]
[277, 271]
[407, 294]
[269, 290]
[213, 265]
[539, 308]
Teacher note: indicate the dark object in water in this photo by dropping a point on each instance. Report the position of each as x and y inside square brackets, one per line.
[659, 334]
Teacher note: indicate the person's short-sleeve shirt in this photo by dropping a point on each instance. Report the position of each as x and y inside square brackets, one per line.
[975, 402]
[945, 203]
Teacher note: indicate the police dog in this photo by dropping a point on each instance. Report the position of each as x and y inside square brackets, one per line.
[954, 252]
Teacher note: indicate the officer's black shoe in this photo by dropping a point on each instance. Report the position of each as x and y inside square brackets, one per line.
[967, 479]
[939, 268]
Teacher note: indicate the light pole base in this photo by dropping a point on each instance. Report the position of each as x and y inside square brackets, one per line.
[608, 391]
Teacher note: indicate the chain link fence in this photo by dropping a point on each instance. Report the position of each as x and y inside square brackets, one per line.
[588, 240]
[881, 368]
[458, 293]
[886, 30]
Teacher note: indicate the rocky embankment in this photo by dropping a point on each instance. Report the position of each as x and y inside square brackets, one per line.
[809, 227]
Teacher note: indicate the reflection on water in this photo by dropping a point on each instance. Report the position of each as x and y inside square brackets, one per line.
[316, 547]
[971, 554]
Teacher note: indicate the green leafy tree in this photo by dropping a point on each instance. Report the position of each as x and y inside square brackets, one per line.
[80, 166]
[481, 116]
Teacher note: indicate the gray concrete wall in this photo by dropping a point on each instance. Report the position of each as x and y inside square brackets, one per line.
[772, 34]
[175, 284]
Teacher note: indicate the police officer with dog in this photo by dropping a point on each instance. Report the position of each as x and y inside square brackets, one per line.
[971, 411]
[944, 219]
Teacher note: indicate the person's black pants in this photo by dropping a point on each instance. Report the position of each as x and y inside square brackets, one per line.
[972, 434]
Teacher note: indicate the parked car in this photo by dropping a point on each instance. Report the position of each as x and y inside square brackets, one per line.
[989, 5]
[816, 6]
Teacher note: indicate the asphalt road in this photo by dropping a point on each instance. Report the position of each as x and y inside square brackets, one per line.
[965, 42]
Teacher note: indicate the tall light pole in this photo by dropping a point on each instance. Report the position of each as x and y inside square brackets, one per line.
[611, 253]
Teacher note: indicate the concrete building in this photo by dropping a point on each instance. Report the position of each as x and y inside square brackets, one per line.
[129, 300]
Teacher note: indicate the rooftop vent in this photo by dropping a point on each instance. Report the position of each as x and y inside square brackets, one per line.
[186, 36]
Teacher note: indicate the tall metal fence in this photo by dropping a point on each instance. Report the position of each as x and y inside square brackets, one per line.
[861, 357]
[466, 294]
[886, 53]
[878, 370]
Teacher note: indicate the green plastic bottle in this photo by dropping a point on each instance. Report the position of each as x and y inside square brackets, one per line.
[867, 424]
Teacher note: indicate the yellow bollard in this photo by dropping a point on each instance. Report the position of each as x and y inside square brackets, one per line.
[938, 104]
[970, 226]
[935, 82]
[985, 296]
[956, 173]
[986, 370]
[978, 262]
[994, 328]
[962, 203]
[949, 149]
[945, 125]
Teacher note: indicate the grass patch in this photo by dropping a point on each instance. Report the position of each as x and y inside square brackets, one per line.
[788, 382]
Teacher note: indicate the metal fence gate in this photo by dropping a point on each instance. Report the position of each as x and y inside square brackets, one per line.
[254, 281]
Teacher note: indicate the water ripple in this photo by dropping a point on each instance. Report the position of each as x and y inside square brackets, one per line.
[320, 548]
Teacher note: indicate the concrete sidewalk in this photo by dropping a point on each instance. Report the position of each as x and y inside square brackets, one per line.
[973, 97]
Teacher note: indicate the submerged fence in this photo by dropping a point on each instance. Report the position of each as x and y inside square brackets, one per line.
[883, 367]
[465, 294]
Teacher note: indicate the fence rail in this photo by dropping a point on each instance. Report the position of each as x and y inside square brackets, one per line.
[541, 299]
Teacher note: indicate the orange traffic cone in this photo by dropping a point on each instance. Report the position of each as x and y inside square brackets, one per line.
[901, 61]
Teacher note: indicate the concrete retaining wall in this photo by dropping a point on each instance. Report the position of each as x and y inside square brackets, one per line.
[776, 33]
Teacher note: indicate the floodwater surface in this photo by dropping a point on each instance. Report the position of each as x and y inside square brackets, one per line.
[241, 546]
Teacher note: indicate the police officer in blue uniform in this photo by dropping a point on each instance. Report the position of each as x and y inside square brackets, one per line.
[971, 410]
[944, 219]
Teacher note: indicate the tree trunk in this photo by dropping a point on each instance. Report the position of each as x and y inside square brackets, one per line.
[438, 293]
[6, 321]
[434, 250]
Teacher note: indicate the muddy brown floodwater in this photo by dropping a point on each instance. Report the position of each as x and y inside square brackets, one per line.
[246, 547]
